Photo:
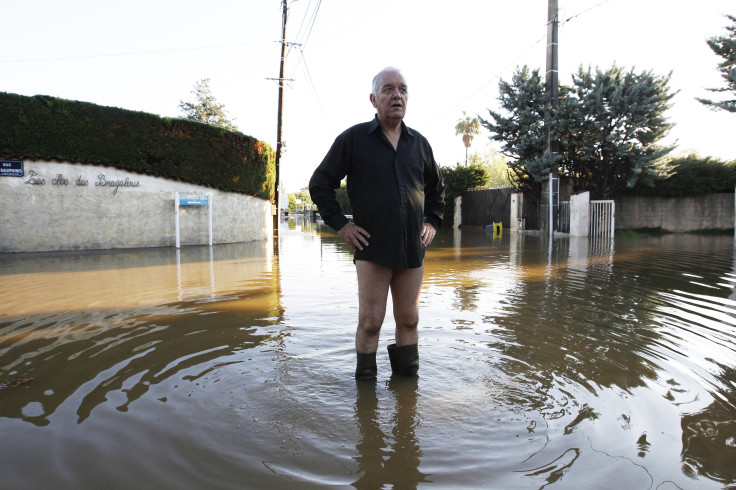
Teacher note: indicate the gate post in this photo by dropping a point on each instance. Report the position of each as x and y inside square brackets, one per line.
[458, 218]
[580, 214]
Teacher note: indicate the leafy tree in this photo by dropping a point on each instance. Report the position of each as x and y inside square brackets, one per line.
[303, 195]
[520, 130]
[496, 166]
[725, 47]
[206, 109]
[468, 128]
[459, 179]
[608, 124]
[341, 194]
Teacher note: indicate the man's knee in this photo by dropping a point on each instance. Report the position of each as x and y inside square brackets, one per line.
[370, 326]
[407, 321]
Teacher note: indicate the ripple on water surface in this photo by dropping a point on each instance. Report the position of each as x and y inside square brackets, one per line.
[581, 363]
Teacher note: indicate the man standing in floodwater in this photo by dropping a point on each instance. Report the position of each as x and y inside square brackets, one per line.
[397, 195]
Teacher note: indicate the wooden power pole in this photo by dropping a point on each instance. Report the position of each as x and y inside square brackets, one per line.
[552, 83]
[552, 65]
[279, 122]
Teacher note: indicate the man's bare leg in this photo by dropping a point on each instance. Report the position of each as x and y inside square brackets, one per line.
[405, 287]
[373, 286]
[404, 354]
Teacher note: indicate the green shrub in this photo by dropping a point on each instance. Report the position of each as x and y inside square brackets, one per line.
[691, 175]
[459, 179]
[49, 128]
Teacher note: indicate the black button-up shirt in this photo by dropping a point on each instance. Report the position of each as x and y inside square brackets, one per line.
[392, 192]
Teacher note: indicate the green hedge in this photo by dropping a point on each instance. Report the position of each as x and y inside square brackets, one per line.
[691, 175]
[49, 128]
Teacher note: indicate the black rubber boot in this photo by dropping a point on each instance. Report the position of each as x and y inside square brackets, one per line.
[404, 359]
[366, 368]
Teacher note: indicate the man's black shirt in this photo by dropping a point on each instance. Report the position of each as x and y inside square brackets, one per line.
[392, 192]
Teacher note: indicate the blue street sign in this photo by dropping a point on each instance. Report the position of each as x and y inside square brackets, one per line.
[11, 168]
[194, 200]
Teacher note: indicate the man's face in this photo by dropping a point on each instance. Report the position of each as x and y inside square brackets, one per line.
[390, 102]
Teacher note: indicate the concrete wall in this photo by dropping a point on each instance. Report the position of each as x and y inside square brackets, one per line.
[710, 212]
[65, 206]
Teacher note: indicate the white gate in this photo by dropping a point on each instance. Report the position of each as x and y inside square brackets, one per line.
[602, 218]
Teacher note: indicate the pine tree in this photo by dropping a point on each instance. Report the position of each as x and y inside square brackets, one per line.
[520, 128]
[610, 123]
[725, 47]
[206, 109]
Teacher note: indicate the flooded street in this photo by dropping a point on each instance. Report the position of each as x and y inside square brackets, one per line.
[569, 363]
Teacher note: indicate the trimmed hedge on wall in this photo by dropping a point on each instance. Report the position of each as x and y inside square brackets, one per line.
[691, 175]
[49, 128]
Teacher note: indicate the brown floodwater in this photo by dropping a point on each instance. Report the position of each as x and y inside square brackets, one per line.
[563, 363]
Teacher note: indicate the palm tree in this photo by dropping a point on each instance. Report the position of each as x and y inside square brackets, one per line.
[468, 127]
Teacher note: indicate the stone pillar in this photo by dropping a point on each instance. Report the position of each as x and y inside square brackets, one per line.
[517, 202]
[458, 218]
[579, 214]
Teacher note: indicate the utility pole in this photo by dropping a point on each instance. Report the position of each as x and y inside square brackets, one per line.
[279, 142]
[552, 83]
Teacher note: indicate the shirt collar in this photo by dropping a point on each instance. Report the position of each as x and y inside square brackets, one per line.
[406, 131]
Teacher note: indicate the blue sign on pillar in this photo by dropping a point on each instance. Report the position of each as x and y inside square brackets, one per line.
[185, 200]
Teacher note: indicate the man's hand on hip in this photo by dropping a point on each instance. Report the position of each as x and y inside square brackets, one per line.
[428, 233]
[356, 236]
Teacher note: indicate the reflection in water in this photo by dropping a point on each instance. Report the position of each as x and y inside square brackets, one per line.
[388, 458]
[566, 362]
[115, 347]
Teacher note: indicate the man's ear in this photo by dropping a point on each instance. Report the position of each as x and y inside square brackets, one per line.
[373, 100]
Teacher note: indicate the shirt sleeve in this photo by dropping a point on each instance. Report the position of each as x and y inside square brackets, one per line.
[326, 179]
[434, 193]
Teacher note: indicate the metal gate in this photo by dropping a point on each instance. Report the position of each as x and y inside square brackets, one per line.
[563, 218]
[602, 218]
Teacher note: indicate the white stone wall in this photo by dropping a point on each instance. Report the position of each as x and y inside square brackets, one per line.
[66, 206]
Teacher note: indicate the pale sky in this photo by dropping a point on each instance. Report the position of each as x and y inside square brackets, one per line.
[147, 56]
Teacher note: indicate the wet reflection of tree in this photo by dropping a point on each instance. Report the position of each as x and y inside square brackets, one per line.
[709, 444]
[709, 436]
[382, 459]
[581, 320]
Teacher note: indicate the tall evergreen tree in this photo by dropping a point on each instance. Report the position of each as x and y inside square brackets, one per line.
[608, 125]
[206, 109]
[520, 128]
[725, 47]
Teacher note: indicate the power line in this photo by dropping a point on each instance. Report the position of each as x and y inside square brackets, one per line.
[310, 24]
[493, 79]
[583, 12]
[497, 76]
[314, 89]
[134, 53]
